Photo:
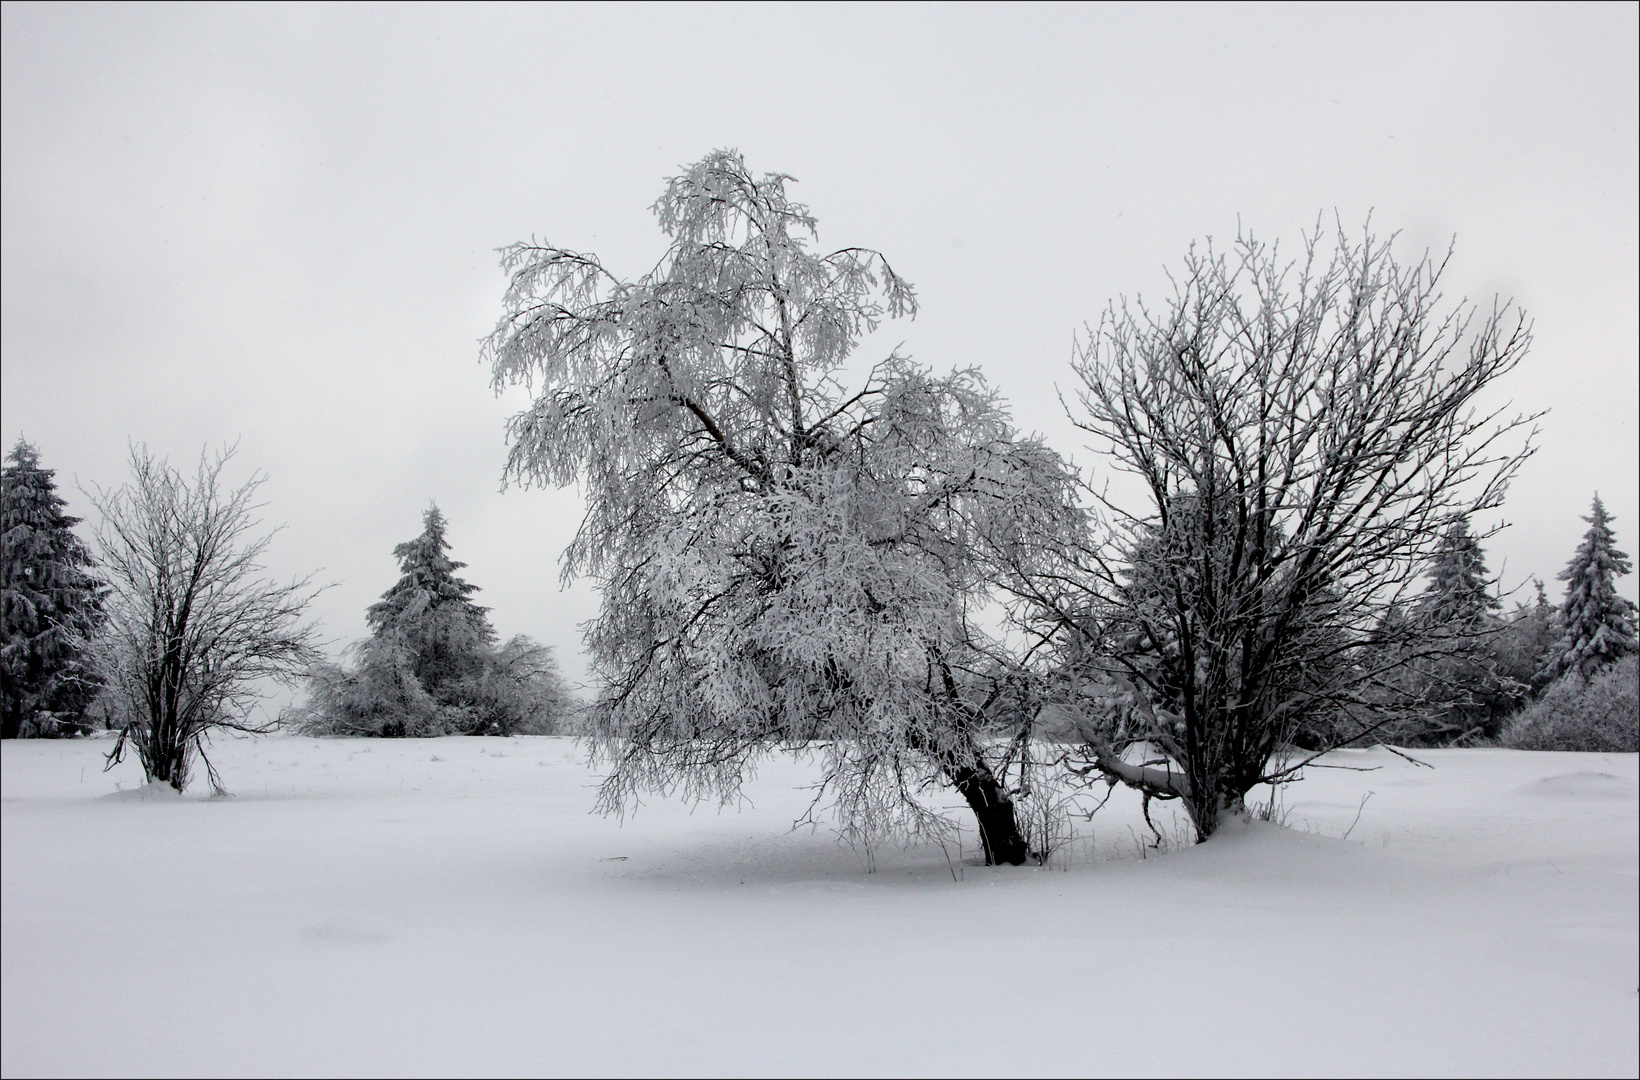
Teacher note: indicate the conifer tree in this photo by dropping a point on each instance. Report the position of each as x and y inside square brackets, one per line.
[1599, 625]
[429, 610]
[51, 603]
[1455, 626]
[1526, 647]
[1457, 598]
[431, 665]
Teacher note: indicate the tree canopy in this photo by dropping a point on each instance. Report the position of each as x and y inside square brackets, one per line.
[427, 582]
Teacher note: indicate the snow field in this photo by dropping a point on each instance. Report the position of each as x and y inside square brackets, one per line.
[450, 906]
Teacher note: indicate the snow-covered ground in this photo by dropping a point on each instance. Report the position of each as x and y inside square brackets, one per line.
[450, 907]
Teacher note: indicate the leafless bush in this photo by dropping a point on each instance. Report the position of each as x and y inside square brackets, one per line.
[193, 626]
[1304, 431]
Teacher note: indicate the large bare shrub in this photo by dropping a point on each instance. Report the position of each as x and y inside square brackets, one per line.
[1301, 432]
[194, 627]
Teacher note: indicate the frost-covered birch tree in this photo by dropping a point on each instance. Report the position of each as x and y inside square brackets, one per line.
[784, 562]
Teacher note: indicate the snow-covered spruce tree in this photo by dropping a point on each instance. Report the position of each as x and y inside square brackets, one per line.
[1454, 644]
[784, 563]
[1459, 595]
[50, 604]
[431, 666]
[1598, 624]
[430, 611]
[193, 628]
[1315, 418]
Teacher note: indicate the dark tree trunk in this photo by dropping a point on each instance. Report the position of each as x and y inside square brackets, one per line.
[165, 752]
[1226, 799]
[998, 828]
[168, 765]
[11, 725]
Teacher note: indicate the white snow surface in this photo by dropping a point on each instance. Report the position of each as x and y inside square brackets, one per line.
[451, 907]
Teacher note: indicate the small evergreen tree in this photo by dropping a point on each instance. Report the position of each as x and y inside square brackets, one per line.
[1454, 628]
[1458, 598]
[429, 610]
[431, 665]
[1599, 625]
[51, 603]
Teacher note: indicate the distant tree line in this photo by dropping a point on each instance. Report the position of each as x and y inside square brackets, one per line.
[1471, 668]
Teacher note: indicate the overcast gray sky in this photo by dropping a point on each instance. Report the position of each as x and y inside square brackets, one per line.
[277, 224]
